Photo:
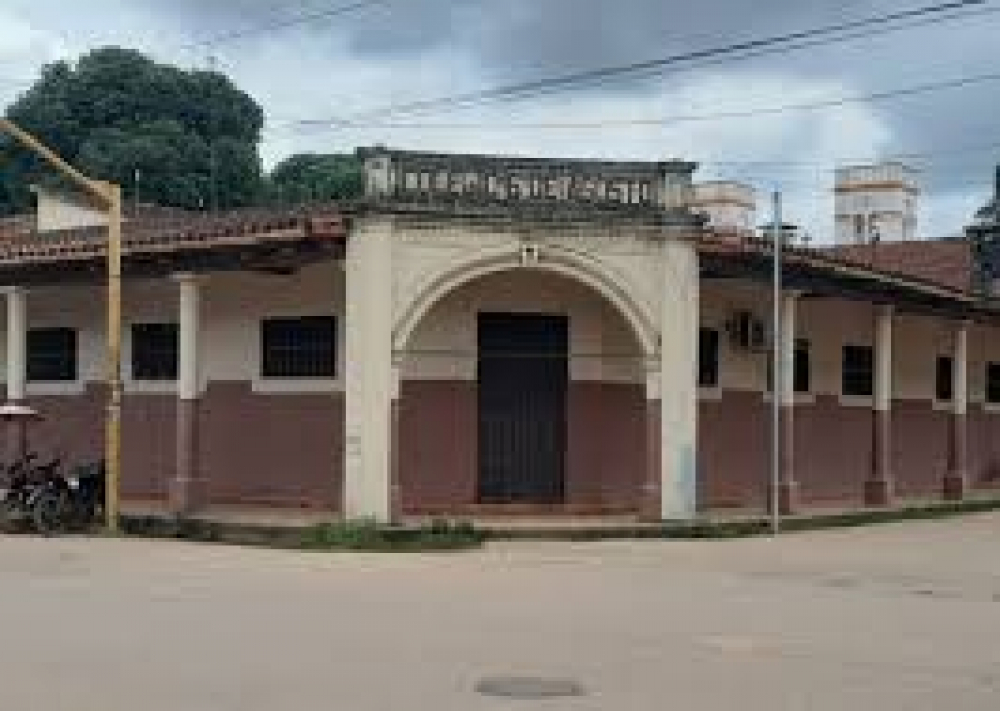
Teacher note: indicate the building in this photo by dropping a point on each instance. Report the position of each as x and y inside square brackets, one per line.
[503, 336]
[876, 202]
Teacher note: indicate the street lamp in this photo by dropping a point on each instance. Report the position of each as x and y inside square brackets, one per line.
[110, 195]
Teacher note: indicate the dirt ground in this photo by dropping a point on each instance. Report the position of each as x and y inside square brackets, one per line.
[902, 616]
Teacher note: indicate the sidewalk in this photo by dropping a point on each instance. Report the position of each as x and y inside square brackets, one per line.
[262, 525]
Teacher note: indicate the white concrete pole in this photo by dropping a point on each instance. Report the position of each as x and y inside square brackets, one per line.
[678, 391]
[17, 345]
[370, 380]
[188, 366]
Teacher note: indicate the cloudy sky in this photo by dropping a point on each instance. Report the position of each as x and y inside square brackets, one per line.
[397, 51]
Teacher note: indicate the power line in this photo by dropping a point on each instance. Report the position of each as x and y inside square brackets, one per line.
[873, 97]
[290, 21]
[740, 50]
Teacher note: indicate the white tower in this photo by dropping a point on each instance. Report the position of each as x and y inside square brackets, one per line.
[728, 204]
[876, 202]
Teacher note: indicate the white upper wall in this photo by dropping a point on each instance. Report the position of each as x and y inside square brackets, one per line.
[830, 324]
[57, 211]
[233, 306]
[602, 346]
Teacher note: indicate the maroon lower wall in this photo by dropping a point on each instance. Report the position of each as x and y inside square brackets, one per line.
[833, 450]
[286, 449]
[984, 449]
[437, 445]
[606, 449]
[733, 434]
[919, 448]
[438, 464]
[280, 449]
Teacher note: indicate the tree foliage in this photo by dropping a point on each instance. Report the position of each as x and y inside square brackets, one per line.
[316, 177]
[186, 138]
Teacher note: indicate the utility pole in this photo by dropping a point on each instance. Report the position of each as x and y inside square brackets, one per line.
[777, 376]
[109, 194]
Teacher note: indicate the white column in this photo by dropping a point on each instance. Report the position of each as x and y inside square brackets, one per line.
[189, 327]
[883, 359]
[786, 351]
[956, 479]
[17, 348]
[879, 485]
[960, 373]
[369, 374]
[678, 391]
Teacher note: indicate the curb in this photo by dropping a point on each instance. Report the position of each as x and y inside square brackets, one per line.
[406, 538]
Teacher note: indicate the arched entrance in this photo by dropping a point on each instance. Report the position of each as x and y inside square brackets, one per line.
[523, 390]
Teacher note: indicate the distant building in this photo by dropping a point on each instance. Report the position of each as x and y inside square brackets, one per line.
[876, 203]
[727, 204]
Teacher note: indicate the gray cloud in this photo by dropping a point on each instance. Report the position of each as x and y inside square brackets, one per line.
[409, 49]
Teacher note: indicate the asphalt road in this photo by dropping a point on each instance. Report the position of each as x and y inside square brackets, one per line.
[893, 617]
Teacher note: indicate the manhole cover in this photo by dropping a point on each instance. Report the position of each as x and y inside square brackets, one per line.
[528, 688]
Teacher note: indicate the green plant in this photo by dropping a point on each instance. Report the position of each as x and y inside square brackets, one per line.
[369, 535]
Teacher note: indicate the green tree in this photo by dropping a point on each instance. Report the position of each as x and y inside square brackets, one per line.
[186, 138]
[315, 177]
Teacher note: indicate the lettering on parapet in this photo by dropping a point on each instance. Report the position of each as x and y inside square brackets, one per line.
[471, 179]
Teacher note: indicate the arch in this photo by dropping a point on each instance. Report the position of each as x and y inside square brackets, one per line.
[559, 260]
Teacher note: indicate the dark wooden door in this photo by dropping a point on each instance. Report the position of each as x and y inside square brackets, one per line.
[523, 373]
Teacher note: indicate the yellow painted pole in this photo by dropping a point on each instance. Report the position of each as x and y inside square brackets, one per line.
[113, 445]
[110, 194]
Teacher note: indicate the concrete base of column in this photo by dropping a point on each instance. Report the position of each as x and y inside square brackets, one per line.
[955, 486]
[878, 493]
[651, 504]
[395, 482]
[956, 480]
[17, 437]
[788, 498]
[878, 488]
[187, 488]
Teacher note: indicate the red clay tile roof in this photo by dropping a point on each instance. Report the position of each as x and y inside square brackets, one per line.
[944, 262]
[942, 265]
[186, 231]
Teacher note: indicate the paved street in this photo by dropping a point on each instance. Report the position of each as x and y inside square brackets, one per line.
[895, 617]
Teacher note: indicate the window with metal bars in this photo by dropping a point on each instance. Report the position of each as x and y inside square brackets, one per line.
[51, 355]
[154, 351]
[943, 390]
[708, 358]
[993, 383]
[299, 347]
[858, 371]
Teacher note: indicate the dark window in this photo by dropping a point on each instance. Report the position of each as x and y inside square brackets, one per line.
[299, 347]
[857, 373]
[802, 371]
[943, 379]
[154, 351]
[993, 383]
[51, 354]
[708, 358]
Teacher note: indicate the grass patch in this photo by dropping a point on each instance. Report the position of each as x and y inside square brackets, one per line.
[368, 535]
[363, 535]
